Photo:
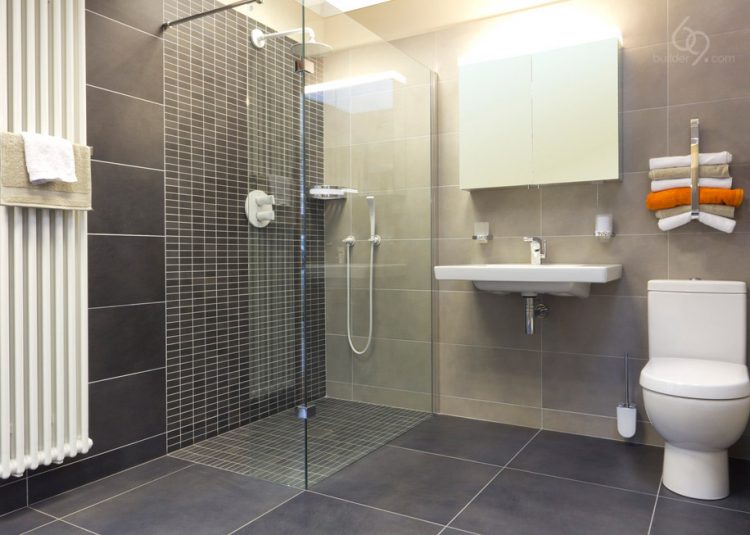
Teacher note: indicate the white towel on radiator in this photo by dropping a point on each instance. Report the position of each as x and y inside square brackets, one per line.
[723, 224]
[661, 185]
[706, 158]
[48, 158]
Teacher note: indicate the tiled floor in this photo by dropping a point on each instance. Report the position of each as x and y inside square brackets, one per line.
[273, 448]
[447, 475]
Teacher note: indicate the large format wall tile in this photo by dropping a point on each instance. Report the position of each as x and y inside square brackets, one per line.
[138, 72]
[493, 374]
[644, 77]
[726, 63]
[483, 319]
[724, 126]
[146, 15]
[125, 340]
[396, 364]
[126, 200]
[568, 209]
[127, 409]
[597, 325]
[125, 269]
[588, 384]
[509, 211]
[412, 322]
[643, 258]
[124, 129]
[597, 426]
[504, 413]
[718, 16]
[644, 136]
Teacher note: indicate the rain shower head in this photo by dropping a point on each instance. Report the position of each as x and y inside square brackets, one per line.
[311, 47]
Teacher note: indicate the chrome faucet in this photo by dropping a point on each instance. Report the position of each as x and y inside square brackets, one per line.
[538, 249]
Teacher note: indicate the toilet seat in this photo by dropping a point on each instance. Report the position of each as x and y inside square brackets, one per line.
[695, 378]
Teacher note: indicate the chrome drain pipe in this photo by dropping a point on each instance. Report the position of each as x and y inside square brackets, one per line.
[529, 314]
[541, 310]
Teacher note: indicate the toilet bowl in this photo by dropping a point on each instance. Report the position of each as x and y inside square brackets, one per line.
[696, 389]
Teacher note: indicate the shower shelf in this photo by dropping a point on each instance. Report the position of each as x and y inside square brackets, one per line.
[327, 193]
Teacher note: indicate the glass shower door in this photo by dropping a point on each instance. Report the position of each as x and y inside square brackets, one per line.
[367, 113]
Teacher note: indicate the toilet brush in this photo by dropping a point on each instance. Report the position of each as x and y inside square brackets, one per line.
[626, 411]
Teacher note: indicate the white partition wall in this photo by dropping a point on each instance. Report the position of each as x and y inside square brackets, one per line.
[43, 253]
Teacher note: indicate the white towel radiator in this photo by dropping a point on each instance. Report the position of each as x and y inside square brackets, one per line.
[43, 253]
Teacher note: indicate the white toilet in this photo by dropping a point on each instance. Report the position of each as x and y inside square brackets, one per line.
[695, 385]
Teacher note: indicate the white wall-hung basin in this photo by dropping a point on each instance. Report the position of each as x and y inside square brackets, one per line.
[529, 280]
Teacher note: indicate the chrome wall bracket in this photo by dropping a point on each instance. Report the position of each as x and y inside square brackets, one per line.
[305, 412]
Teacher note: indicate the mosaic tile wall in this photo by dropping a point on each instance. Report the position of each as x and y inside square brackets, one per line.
[234, 315]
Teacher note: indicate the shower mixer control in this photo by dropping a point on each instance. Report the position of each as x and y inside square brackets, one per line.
[259, 208]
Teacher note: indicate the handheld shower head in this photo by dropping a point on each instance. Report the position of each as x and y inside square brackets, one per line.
[371, 209]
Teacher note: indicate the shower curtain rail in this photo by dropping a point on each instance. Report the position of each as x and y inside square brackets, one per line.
[171, 23]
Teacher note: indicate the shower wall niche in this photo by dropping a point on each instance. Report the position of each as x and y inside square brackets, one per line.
[233, 295]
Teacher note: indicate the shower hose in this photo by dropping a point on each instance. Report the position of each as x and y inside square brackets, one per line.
[349, 296]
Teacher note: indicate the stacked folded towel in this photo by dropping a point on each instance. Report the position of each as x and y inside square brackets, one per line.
[670, 195]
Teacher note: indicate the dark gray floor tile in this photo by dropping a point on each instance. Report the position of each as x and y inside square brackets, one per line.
[608, 462]
[197, 500]
[739, 488]
[469, 439]
[97, 491]
[315, 514]
[127, 409]
[22, 520]
[683, 518]
[519, 502]
[59, 528]
[417, 484]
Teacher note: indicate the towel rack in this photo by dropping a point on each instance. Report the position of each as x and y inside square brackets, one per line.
[694, 168]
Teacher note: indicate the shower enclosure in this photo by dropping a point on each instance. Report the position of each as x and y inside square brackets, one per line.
[262, 379]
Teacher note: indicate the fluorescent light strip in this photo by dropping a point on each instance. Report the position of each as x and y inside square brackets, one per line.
[351, 5]
[355, 81]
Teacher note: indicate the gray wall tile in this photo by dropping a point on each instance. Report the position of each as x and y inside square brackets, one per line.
[493, 374]
[598, 325]
[588, 384]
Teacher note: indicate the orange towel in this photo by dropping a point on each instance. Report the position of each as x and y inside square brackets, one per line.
[661, 200]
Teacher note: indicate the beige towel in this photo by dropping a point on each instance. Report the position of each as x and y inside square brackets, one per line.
[704, 171]
[715, 209]
[16, 190]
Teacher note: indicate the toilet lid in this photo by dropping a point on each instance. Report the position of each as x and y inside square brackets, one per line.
[694, 378]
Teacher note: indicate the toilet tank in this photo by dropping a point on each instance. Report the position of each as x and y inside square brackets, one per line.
[697, 319]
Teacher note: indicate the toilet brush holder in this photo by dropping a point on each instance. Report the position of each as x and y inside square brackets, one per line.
[626, 412]
[626, 420]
